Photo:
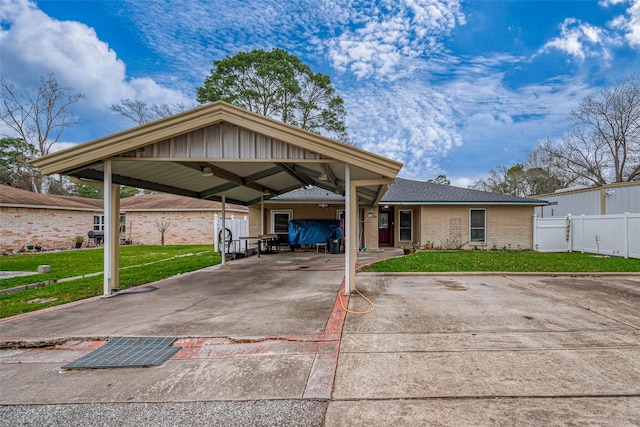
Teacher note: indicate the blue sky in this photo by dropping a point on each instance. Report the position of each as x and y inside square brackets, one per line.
[444, 86]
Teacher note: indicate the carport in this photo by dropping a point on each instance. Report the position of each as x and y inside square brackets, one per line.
[224, 153]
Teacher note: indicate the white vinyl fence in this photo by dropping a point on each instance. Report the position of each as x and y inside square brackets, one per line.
[616, 235]
[235, 228]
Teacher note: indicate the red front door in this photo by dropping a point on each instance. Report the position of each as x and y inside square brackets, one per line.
[385, 228]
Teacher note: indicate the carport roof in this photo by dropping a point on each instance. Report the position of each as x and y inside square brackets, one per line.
[247, 157]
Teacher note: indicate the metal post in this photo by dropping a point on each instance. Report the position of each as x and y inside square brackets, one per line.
[262, 215]
[216, 230]
[535, 232]
[107, 238]
[350, 231]
[224, 229]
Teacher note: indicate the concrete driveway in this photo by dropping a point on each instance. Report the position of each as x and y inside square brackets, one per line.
[491, 350]
[264, 341]
[258, 338]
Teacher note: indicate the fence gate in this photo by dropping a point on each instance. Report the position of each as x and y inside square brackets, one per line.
[615, 235]
[234, 229]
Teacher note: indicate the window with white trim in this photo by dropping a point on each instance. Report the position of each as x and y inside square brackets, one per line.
[405, 226]
[477, 226]
[98, 222]
[280, 224]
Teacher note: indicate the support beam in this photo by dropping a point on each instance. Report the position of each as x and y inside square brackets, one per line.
[330, 175]
[261, 215]
[351, 214]
[215, 190]
[224, 229]
[111, 231]
[263, 174]
[133, 182]
[351, 209]
[297, 174]
[226, 175]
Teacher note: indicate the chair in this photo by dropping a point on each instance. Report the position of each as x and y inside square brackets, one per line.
[321, 245]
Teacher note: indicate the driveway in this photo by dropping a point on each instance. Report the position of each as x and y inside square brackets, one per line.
[491, 350]
[264, 341]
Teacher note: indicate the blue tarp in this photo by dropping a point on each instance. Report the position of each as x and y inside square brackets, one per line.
[310, 232]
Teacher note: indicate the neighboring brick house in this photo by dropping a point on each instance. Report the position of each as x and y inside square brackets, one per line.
[50, 220]
[415, 212]
[53, 221]
[191, 220]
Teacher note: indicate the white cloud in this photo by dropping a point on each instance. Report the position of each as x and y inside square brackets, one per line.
[405, 121]
[607, 3]
[632, 26]
[379, 41]
[579, 40]
[34, 44]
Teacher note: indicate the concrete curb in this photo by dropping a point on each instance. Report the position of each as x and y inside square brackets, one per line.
[499, 273]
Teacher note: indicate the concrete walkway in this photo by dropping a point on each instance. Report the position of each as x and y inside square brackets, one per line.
[265, 341]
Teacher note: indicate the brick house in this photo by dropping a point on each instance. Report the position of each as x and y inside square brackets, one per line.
[53, 221]
[441, 216]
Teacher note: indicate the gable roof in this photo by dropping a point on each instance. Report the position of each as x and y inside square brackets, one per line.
[309, 194]
[405, 191]
[171, 202]
[11, 196]
[15, 197]
[247, 157]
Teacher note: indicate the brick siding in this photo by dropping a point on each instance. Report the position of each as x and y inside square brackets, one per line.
[52, 228]
[507, 226]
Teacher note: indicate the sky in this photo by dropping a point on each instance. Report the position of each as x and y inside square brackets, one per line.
[443, 86]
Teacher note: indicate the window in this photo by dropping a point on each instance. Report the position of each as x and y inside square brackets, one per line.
[280, 224]
[477, 226]
[98, 222]
[406, 231]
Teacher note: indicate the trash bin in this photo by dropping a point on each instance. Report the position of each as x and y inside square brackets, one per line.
[334, 246]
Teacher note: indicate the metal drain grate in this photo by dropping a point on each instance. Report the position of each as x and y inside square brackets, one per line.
[127, 353]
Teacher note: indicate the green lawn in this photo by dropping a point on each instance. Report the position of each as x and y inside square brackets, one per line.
[172, 260]
[167, 261]
[505, 261]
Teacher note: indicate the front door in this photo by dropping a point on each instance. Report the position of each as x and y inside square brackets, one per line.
[385, 228]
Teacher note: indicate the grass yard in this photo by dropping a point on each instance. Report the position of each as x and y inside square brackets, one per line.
[134, 270]
[505, 261]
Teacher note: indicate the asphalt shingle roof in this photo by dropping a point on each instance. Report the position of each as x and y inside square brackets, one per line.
[309, 194]
[172, 202]
[408, 191]
[413, 192]
[16, 197]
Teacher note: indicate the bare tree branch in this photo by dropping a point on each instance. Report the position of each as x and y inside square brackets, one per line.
[39, 116]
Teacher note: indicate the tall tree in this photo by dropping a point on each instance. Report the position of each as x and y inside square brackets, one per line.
[520, 180]
[603, 144]
[440, 179]
[39, 117]
[545, 174]
[15, 169]
[278, 85]
[141, 113]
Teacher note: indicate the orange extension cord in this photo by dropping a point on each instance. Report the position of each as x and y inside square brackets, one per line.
[363, 297]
